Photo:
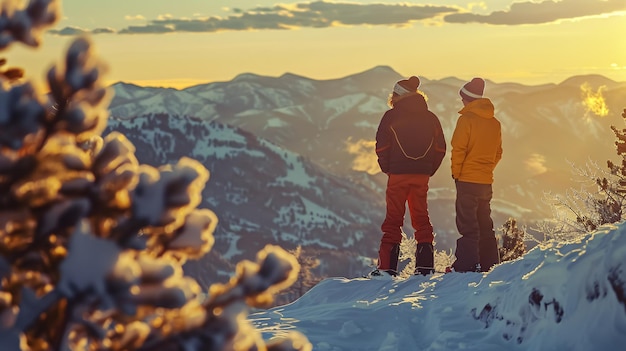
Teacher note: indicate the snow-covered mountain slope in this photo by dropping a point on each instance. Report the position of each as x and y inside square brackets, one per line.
[263, 193]
[546, 128]
[561, 296]
[293, 167]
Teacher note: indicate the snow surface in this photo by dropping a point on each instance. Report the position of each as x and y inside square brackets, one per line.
[559, 296]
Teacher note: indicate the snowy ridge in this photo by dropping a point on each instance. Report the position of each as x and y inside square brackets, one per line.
[557, 297]
[263, 193]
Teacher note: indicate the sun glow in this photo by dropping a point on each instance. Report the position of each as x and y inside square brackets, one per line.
[594, 101]
[365, 159]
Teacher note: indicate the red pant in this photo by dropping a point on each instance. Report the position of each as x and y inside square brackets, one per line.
[403, 188]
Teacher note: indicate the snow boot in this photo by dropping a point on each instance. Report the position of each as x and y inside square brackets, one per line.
[388, 257]
[475, 269]
[382, 274]
[424, 259]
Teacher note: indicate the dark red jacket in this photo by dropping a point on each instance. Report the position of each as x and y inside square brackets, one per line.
[410, 139]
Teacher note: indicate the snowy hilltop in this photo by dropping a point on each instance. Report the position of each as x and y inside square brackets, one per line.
[559, 296]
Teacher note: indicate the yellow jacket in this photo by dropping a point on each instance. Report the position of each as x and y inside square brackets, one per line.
[476, 143]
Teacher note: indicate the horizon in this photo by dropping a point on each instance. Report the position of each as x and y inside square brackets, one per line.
[154, 43]
[423, 77]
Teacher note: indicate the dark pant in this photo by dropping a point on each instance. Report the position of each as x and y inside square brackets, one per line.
[478, 244]
[403, 189]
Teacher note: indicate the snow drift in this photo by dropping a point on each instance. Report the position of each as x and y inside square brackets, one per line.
[559, 296]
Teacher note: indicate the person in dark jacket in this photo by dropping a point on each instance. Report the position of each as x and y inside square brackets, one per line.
[476, 150]
[410, 146]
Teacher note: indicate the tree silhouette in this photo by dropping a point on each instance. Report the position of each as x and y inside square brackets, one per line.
[609, 206]
[603, 202]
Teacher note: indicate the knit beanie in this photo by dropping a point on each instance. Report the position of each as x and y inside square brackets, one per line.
[473, 90]
[406, 86]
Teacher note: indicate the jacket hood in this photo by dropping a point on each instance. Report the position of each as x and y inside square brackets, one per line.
[479, 107]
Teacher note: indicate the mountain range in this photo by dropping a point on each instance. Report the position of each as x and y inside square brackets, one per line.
[292, 159]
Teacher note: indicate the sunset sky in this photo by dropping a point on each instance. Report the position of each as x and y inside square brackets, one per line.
[186, 42]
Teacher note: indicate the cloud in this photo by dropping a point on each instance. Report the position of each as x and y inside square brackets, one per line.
[317, 14]
[541, 12]
[536, 164]
[135, 18]
[72, 31]
[323, 14]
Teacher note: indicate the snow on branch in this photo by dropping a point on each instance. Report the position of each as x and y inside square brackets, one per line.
[92, 243]
[26, 25]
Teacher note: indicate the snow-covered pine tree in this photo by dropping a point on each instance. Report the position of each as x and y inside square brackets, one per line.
[600, 200]
[512, 243]
[610, 207]
[407, 258]
[91, 242]
[306, 276]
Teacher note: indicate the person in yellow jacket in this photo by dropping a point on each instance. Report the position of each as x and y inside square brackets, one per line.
[476, 150]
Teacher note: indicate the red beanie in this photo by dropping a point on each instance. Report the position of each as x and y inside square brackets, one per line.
[473, 90]
[406, 86]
